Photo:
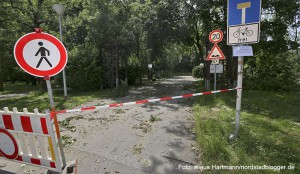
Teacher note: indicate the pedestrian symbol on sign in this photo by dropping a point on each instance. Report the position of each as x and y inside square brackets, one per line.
[42, 51]
[40, 54]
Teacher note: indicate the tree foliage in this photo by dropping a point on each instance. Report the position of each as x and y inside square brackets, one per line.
[111, 39]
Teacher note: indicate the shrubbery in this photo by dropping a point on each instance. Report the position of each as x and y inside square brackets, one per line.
[84, 72]
[134, 72]
[197, 71]
[272, 72]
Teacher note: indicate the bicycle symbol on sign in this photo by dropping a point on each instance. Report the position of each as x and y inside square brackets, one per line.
[244, 32]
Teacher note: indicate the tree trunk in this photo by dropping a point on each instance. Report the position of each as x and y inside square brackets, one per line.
[100, 59]
[1, 76]
[112, 68]
[126, 70]
[235, 69]
[198, 44]
[207, 68]
[1, 81]
[138, 45]
[43, 84]
[117, 67]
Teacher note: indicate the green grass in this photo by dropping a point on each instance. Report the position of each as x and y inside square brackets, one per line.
[269, 134]
[38, 99]
[18, 87]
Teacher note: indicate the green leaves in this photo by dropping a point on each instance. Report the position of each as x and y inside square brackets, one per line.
[170, 34]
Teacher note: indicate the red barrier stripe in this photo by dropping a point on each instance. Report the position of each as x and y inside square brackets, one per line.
[88, 108]
[207, 93]
[52, 165]
[0, 155]
[26, 124]
[8, 122]
[116, 105]
[165, 98]
[187, 95]
[141, 101]
[44, 126]
[61, 112]
[145, 101]
[224, 90]
[19, 158]
[35, 161]
[52, 115]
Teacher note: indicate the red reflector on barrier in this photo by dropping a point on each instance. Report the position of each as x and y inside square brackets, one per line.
[52, 164]
[35, 161]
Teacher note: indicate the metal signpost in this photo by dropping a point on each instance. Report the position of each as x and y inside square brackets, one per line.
[215, 63]
[42, 55]
[215, 78]
[243, 27]
[60, 11]
[215, 54]
[216, 69]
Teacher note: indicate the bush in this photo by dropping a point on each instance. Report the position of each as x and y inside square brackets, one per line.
[271, 72]
[134, 72]
[197, 72]
[84, 72]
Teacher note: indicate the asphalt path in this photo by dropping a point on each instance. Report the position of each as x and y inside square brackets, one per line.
[149, 138]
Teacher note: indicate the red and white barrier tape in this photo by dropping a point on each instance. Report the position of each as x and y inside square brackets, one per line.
[142, 101]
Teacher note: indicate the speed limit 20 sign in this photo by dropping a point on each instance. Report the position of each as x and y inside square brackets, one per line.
[216, 36]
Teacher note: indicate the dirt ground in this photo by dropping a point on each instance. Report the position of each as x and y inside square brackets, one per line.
[150, 138]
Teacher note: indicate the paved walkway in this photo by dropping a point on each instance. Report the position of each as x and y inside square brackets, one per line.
[151, 138]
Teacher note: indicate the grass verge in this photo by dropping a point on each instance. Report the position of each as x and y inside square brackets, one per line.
[269, 134]
[35, 98]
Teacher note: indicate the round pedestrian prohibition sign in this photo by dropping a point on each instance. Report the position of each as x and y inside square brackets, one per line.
[8, 145]
[40, 54]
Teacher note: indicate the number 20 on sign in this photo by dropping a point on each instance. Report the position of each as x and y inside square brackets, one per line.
[216, 36]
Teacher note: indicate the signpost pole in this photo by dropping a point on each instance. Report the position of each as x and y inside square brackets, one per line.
[60, 10]
[50, 93]
[249, 23]
[64, 72]
[243, 7]
[239, 97]
[215, 79]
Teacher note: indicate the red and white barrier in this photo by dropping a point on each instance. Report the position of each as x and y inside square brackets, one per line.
[28, 138]
[142, 101]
